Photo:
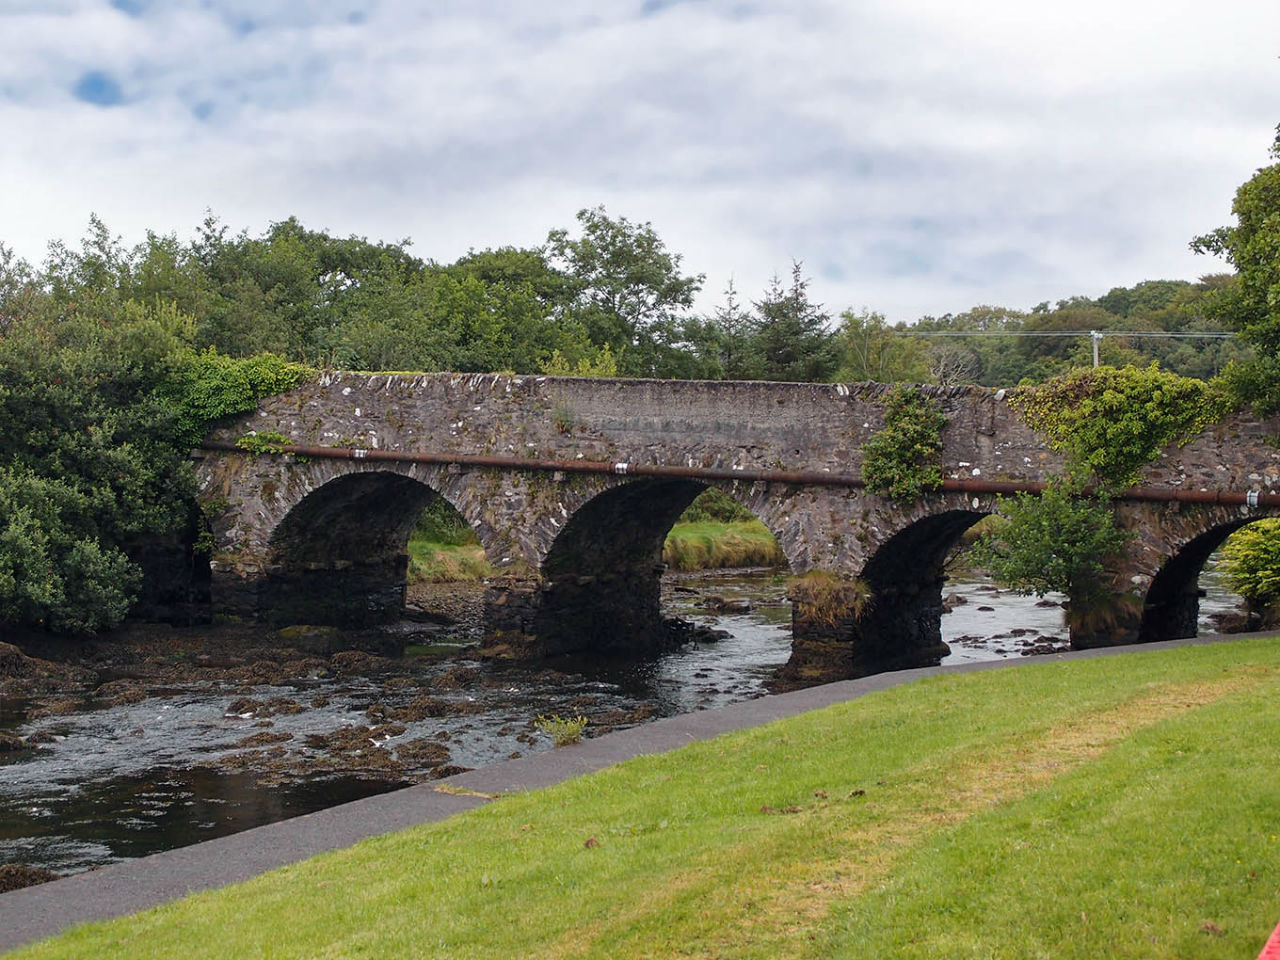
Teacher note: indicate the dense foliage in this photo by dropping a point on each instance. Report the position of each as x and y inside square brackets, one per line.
[1250, 303]
[1111, 422]
[1252, 564]
[900, 460]
[88, 465]
[113, 360]
[101, 397]
[1057, 541]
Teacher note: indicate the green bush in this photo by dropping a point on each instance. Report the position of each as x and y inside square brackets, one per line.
[1252, 564]
[562, 731]
[1059, 541]
[441, 524]
[898, 461]
[1110, 422]
[714, 505]
[209, 386]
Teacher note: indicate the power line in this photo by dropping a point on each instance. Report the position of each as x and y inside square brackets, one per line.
[1068, 333]
[1094, 335]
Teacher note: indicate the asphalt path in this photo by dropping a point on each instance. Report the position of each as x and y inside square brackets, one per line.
[42, 911]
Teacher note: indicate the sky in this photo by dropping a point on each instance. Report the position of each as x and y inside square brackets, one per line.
[916, 156]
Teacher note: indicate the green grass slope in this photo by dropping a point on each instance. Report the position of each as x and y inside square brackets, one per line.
[1119, 807]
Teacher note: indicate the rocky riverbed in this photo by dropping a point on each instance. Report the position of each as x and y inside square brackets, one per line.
[157, 737]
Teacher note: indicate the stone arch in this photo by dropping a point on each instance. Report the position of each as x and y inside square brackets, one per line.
[1172, 605]
[339, 554]
[901, 625]
[601, 575]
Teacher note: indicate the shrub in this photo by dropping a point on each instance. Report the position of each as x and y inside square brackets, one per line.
[1058, 541]
[1252, 564]
[823, 597]
[898, 461]
[715, 505]
[562, 731]
[1111, 422]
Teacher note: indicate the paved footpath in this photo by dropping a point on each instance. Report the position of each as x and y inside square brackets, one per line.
[42, 911]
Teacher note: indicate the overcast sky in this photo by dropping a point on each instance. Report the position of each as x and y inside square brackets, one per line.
[919, 156]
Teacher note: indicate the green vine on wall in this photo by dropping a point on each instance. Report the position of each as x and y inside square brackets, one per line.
[210, 386]
[267, 442]
[1111, 422]
[900, 460]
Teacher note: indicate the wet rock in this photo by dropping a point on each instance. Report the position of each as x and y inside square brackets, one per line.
[270, 707]
[120, 693]
[358, 663]
[354, 739]
[420, 708]
[16, 876]
[681, 632]
[987, 609]
[59, 707]
[21, 675]
[455, 678]
[265, 738]
[422, 753]
[953, 600]
[727, 605]
[11, 744]
[1046, 602]
[40, 738]
[1046, 646]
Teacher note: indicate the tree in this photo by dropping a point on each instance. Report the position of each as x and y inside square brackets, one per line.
[629, 292]
[1252, 303]
[873, 350]
[793, 340]
[1058, 541]
[90, 462]
[1252, 565]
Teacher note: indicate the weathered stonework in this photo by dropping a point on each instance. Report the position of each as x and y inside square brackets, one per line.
[578, 557]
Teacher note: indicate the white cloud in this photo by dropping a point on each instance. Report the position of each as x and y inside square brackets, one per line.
[919, 156]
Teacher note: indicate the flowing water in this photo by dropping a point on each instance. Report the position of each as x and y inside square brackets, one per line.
[116, 782]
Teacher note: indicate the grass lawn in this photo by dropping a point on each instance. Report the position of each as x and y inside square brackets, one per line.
[1118, 807]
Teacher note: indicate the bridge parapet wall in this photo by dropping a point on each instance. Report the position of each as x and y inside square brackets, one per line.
[520, 516]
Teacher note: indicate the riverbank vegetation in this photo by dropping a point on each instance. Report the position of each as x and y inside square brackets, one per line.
[714, 533]
[1112, 807]
[115, 359]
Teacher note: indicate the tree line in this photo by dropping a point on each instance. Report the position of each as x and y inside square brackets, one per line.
[115, 358]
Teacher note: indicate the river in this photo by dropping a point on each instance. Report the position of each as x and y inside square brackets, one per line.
[192, 761]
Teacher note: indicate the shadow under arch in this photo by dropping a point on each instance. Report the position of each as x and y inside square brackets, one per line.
[901, 627]
[1172, 607]
[339, 557]
[602, 577]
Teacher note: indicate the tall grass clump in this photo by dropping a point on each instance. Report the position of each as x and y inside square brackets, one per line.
[716, 546]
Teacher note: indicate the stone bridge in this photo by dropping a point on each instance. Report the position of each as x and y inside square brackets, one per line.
[572, 485]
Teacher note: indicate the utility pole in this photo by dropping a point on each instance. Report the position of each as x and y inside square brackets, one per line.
[1096, 337]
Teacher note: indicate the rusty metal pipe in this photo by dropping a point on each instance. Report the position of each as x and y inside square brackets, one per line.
[1252, 498]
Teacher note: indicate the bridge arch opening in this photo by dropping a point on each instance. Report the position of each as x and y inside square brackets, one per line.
[1172, 607]
[340, 556]
[602, 577]
[901, 624]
